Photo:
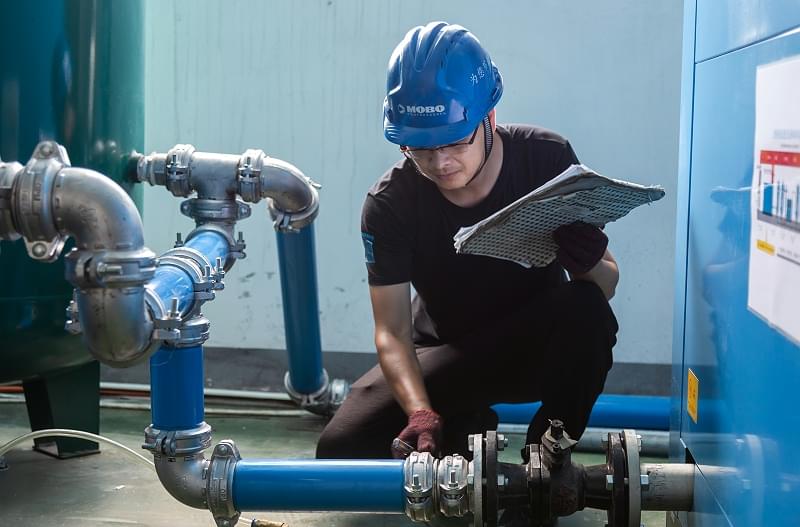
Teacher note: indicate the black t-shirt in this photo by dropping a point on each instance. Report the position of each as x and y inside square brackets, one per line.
[408, 228]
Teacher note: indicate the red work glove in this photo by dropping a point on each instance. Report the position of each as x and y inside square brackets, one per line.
[580, 246]
[424, 432]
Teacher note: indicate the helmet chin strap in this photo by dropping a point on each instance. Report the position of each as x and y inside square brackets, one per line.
[488, 142]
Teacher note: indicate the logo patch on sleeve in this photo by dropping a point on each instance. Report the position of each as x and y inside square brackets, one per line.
[369, 251]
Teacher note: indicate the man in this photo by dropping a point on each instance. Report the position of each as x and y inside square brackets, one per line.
[480, 330]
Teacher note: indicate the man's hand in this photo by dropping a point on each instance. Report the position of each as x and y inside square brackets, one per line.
[580, 246]
[424, 431]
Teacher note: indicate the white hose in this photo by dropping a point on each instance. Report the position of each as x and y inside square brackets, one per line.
[80, 434]
[77, 434]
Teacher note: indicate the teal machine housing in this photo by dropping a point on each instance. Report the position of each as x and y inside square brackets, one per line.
[70, 71]
[743, 433]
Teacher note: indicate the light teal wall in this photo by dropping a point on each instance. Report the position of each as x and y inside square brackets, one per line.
[304, 81]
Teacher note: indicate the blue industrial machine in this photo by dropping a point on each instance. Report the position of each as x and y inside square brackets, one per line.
[734, 411]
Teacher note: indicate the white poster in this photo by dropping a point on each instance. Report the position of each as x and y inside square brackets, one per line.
[774, 281]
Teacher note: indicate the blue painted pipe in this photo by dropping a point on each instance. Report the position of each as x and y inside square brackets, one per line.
[646, 412]
[298, 270]
[176, 388]
[319, 485]
[171, 282]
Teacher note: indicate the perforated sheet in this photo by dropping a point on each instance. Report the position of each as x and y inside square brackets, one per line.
[522, 231]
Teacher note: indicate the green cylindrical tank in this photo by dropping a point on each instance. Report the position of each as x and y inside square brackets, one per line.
[71, 71]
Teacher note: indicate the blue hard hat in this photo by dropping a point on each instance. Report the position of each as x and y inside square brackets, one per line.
[440, 84]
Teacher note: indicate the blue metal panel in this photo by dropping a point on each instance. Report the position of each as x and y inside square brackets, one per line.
[726, 25]
[176, 388]
[319, 485]
[682, 228]
[748, 421]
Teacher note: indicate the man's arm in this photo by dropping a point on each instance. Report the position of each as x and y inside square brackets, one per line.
[605, 274]
[391, 309]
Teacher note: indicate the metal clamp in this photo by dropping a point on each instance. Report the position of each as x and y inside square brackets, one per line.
[109, 268]
[452, 479]
[219, 488]
[248, 175]
[33, 194]
[418, 473]
[325, 401]
[178, 170]
[174, 443]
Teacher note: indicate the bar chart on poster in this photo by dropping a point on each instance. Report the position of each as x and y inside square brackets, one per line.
[774, 275]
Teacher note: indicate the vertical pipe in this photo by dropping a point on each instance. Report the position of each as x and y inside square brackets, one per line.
[298, 270]
[176, 388]
[319, 485]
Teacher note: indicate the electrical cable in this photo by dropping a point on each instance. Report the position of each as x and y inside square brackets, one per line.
[80, 434]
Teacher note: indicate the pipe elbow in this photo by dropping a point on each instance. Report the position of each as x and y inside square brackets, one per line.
[96, 211]
[293, 197]
[183, 478]
[116, 325]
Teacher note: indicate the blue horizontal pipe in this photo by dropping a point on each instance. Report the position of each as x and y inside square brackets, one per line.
[319, 485]
[298, 273]
[646, 412]
[176, 388]
[171, 282]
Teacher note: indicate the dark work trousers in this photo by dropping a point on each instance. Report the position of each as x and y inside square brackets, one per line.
[556, 349]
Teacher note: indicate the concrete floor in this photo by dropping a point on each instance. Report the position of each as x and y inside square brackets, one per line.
[111, 489]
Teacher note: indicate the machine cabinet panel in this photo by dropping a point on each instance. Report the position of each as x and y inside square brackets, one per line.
[744, 374]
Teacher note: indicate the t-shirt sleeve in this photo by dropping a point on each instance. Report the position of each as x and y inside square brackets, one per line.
[387, 243]
[566, 158]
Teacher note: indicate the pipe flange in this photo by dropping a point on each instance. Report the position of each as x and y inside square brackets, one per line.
[219, 488]
[205, 211]
[631, 444]
[109, 269]
[73, 322]
[248, 174]
[285, 221]
[475, 478]
[33, 195]
[175, 443]
[8, 174]
[418, 483]
[452, 486]
[178, 170]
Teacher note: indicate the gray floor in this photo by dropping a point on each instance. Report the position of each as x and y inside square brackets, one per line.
[110, 489]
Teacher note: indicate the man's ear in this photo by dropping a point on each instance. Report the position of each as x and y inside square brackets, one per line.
[492, 119]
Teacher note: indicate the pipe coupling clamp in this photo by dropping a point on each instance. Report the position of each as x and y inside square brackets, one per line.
[219, 487]
[418, 484]
[178, 169]
[34, 207]
[452, 481]
[325, 401]
[8, 174]
[115, 269]
[177, 443]
[248, 174]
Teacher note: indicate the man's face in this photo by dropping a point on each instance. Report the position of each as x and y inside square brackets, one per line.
[452, 166]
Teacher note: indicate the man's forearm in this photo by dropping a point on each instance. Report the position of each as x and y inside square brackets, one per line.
[605, 274]
[400, 366]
